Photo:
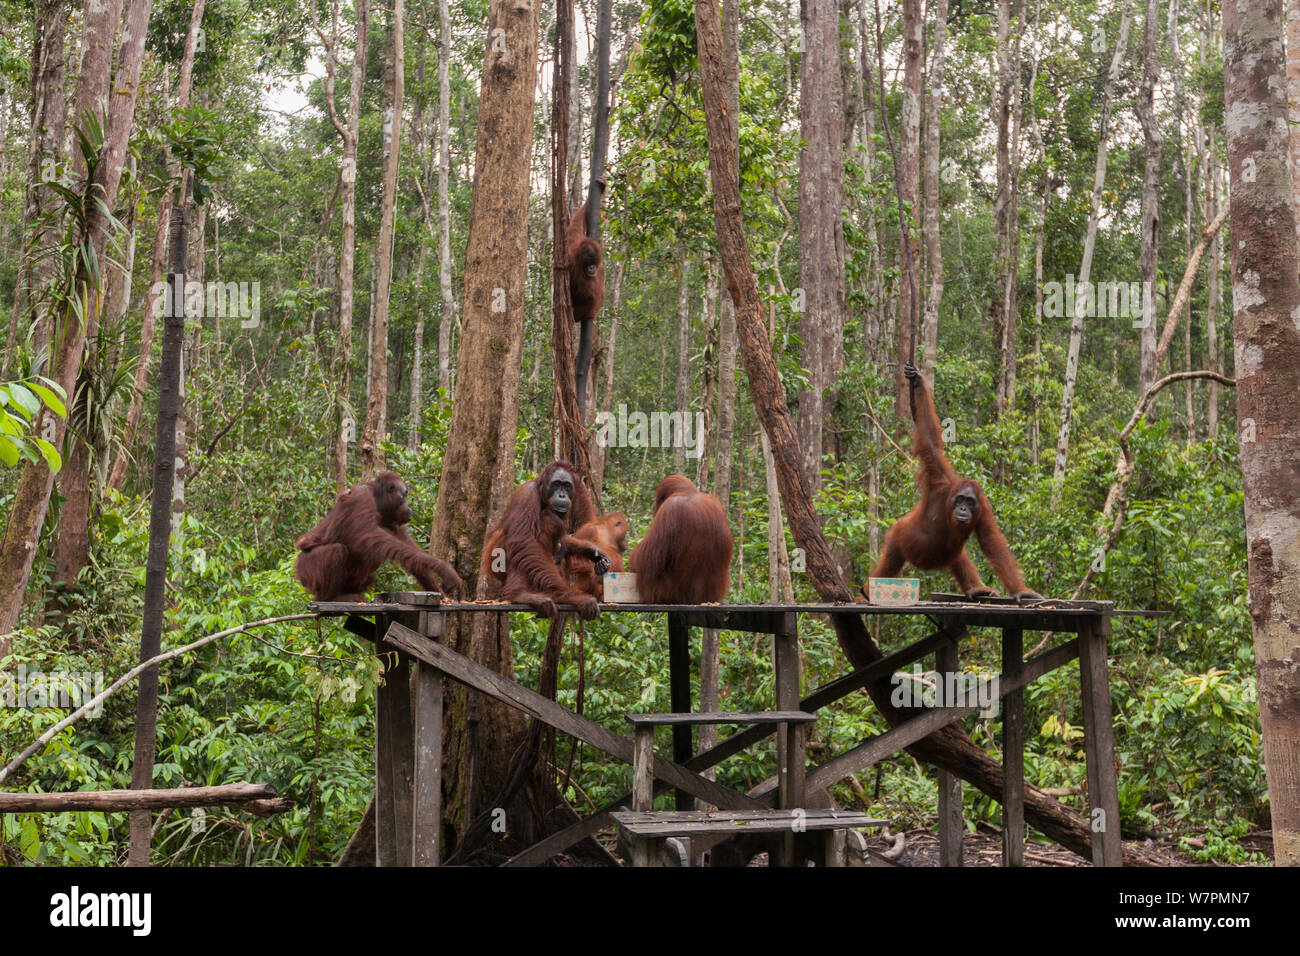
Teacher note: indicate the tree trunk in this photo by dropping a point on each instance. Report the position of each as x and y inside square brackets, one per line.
[146, 709]
[372, 458]
[681, 394]
[184, 85]
[933, 240]
[1266, 299]
[1293, 101]
[1089, 243]
[32, 496]
[478, 466]
[448, 319]
[908, 159]
[1150, 227]
[821, 230]
[44, 153]
[1214, 299]
[1004, 203]
[600, 454]
[950, 748]
[347, 256]
[711, 639]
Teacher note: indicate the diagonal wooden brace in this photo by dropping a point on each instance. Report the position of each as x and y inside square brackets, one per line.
[465, 671]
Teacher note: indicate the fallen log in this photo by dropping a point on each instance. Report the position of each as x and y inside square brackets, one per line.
[259, 798]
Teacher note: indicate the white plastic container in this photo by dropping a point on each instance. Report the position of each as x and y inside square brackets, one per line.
[620, 588]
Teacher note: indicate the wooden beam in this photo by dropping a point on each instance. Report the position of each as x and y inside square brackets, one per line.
[480, 678]
[1099, 745]
[951, 830]
[907, 733]
[722, 717]
[115, 801]
[426, 827]
[679, 685]
[542, 851]
[1013, 752]
[385, 820]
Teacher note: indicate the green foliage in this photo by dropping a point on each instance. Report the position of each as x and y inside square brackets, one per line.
[20, 402]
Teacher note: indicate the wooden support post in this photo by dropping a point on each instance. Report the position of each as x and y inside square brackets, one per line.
[426, 827]
[951, 831]
[785, 669]
[790, 747]
[643, 789]
[385, 827]
[1099, 742]
[1013, 752]
[679, 685]
[402, 748]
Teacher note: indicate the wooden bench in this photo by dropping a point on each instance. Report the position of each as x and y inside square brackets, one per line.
[830, 836]
[656, 839]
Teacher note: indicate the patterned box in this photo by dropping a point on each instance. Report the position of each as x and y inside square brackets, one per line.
[895, 591]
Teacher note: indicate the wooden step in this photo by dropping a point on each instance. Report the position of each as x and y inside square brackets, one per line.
[724, 717]
[678, 823]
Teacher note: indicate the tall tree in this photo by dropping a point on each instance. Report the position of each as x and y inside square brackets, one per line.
[44, 153]
[933, 241]
[1006, 203]
[1266, 299]
[448, 318]
[348, 205]
[1155, 145]
[907, 159]
[372, 458]
[682, 381]
[1089, 244]
[160, 506]
[93, 108]
[949, 748]
[73, 545]
[821, 230]
[481, 441]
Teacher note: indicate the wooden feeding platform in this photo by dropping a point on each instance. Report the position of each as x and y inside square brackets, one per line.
[408, 726]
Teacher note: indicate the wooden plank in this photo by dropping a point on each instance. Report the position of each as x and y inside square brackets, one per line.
[701, 823]
[643, 778]
[412, 598]
[1013, 752]
[797, 772]
[841, 687]
[679, 685]
[951, 830]
[385, 822]
[402, 737]
[426, 829]
[722, 717]
[877, 748]
[480, 678]
[558, 842]
[785, 688]
[1099, 745]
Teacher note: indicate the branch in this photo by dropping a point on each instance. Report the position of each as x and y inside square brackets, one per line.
[1185, 286]
[99, 698]
[1116, 498]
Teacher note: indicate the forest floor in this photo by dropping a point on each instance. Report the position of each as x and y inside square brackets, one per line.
[984, 848]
